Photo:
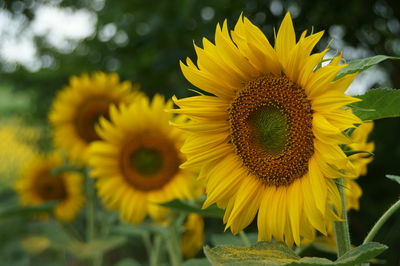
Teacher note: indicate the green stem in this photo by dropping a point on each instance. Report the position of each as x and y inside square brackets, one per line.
[381, 221]
[173, 245]
[155, 253]
[342, 234]
[90, 209]
[90, 215]
[147, 243]
[245, 239]
[153, 250]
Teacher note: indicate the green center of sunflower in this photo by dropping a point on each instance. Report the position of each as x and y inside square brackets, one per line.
[271, 129]
[147, 161]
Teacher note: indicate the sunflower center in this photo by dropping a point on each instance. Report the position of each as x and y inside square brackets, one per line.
[88, 115]
[50, 187]
[271, 129]
[149, 161]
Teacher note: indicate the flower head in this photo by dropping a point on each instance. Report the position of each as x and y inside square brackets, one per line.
[39, 184]
[78, 107]
[136, 162]
[266, 136]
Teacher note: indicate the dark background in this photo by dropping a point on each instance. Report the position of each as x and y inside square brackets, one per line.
[160, 33]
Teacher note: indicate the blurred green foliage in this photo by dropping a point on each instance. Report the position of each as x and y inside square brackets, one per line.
[143, 41]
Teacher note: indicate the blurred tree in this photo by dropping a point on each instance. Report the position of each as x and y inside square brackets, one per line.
[145, 44]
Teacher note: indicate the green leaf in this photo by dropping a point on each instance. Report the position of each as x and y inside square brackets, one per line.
[377, 104]
[394, 178]
[357, 66]
[94, 248]
[260, 253]
[56, 233]
[369, 154]
[18, 210]
[189, 207]
[278, 254]
[361, 254]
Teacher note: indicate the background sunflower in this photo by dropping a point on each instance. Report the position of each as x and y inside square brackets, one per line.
[39, 184]
[136, 162]
[78, 107]
[352, 190]
[193, 237]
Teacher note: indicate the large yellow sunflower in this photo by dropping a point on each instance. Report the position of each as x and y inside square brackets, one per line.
[266, 136]
[78, 106]
[38, 184]
[137, 161]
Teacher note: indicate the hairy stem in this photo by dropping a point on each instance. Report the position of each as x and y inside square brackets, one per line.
[342, 234]
[381, 221]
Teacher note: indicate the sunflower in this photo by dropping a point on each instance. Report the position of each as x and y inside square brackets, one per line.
[360, 137]
[39, 184]
[78, 106]
[193, 237]
[137, 161]
[360, 161]
[266, 134]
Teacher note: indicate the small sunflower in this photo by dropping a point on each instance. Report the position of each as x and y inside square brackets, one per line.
[78, 106]
[137, 161]
[266, 135]
[352, 190]
[193, 237]
[360, 161]
[360, 137]
[38, 185]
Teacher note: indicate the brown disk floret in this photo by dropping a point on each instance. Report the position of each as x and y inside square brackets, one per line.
[149, 161]
[271, 129]
[87, 116]
[50, 187]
